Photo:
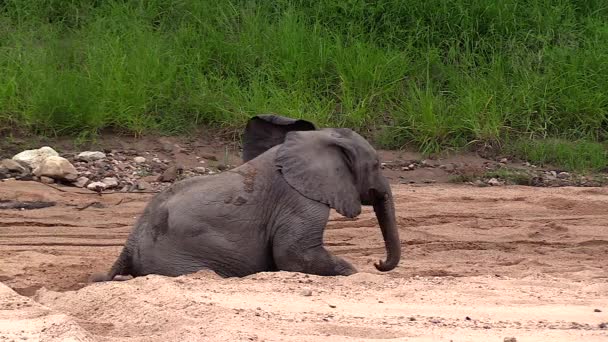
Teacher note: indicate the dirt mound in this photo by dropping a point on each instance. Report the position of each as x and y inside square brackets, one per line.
[478, 264]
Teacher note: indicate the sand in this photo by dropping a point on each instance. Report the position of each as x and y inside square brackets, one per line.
[479, 264]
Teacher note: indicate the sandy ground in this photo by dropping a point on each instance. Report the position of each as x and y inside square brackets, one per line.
[479, 264]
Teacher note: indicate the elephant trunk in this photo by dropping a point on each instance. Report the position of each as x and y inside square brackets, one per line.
[384, 208]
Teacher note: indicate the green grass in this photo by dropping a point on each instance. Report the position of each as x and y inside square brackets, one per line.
[578, 156]
[437, 74]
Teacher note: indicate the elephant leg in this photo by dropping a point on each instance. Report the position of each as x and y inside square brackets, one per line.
[298, 257]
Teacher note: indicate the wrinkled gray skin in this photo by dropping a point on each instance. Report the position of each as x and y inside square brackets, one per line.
[268, 214]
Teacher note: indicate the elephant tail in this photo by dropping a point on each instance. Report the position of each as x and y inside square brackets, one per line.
[122, 266]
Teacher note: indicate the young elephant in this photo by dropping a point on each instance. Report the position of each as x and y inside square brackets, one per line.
[269, 213]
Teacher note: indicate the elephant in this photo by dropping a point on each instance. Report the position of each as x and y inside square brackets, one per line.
[268, 214]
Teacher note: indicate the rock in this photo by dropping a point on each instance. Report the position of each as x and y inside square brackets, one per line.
[143, 185]
[510, 339]
[170, 174]
[139, 160]
[33, 158]
[46, 180]
[411, 166]
[150, 179]
[97, 186]
[494, 182]
[110, 182]
[200, 169]
[405, 168]
[553, 173]
[81, 182]
[504, 160]
[448, 167]
[14, 166]
[57, 168]
[4, 172]
[563, 175]
[597, 310]
[306, 293]
[89, 156]
[222, 167]
[208, 156]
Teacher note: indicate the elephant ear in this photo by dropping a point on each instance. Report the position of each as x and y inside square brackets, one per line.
[319, 165]
[266, 131]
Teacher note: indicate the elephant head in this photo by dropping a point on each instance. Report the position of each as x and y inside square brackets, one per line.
[334, 166]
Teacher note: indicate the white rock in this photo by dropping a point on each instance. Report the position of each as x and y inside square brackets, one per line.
[13, 165]
[33, 158]
[200, 169]
[110, 182]
[90, 156]
[494, 182]
[139, 160]
[81, 182]
[97, 186]
[47, 180]
[57, 168]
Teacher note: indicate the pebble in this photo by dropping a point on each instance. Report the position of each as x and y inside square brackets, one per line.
[563, 175]
[170, 174]
[597, 310]
[510, 339]
[200, 169]
[81, 182]
[143, 185]
[504, 160]
[110, 182]
[89, 156]
[306, 293]
[139, 160]
[494, 182]
[97, 186]
[46, 180]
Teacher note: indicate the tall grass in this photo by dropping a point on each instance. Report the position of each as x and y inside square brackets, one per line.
[434, 73]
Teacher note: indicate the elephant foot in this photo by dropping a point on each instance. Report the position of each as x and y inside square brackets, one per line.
[317, 261]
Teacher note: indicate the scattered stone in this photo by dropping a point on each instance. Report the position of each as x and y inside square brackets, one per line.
[208, 156]
[143, 185]
[110, 182]
[527, 164]
[97, 186]
[412, 319]
[139, 160]
[57, 168]
[89, 156]
[14, 166]
[150, 179]
[429, 181]
[467, 318]
[479, 183]
[563, 175]
[306, 293]
[510, 339]
[46, 180]
[4, 172]
[411, 166]
[494, 182]
[504, 160]
[603, 325]
[200, 169]
[405, 168]
[81, 182]
[448, 167]
[553, 173]
[33, 158]
[332, 306]
[170, 174]
[597, 310]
